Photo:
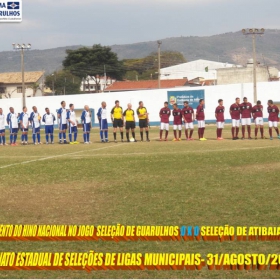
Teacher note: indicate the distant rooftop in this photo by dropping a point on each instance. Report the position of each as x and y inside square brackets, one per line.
[149, 84]
[16, 78]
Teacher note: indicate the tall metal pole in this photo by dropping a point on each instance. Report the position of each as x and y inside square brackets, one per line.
[53, 85]
[22, 77]
[255, 68]
[159, 43]
[64, 85]
[105, 78]
[254, 32]
[22, 48]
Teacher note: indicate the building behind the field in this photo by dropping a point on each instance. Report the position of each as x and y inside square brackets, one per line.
[154, 100]
[11, 84]
[92, 84]
[205, 69]
[236, 75]
[145, 85]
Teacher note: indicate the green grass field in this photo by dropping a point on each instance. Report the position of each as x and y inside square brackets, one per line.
[156, 183]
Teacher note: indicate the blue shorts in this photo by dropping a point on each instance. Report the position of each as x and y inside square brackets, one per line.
[13, 130]
[24, 129]
[73, 129]
[62, 126]
[35, 130]
[86, 127]
[103, 124]
[49, 129]
[2, 131]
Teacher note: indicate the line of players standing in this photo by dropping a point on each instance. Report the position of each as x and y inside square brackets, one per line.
[239, 113]
[67, 120]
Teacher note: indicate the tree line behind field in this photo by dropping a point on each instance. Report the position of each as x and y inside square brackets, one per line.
[85, 64]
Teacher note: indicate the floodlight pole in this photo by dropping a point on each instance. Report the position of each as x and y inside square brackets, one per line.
[22, 79]
[159, 43]
[254, 32]
[22, 48]
[255, 68]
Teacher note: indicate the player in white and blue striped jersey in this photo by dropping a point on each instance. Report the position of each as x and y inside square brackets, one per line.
[35, 120]
[73, 129]
[86, 121]
[49, 120]
[103, 124]
[2, 128]
[62, 123]
[12, 121]
[24, 124]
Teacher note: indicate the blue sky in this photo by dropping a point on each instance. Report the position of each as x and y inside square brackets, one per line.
[56, 23]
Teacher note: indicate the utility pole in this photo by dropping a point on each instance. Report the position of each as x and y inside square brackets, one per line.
[159, 43]
[42, 86]
[52, 84]
[22, 48]
[105, 78]
[64, 84]
[255, 68]
[254, 32]
[22, 79]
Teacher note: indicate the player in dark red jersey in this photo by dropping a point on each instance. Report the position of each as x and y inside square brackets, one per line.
[188, 117]
[219, 114]
[177, 123]
[273, 118]
[246, 114]
[235, 117]
[200, 120]
[164, 115]
[257, 112]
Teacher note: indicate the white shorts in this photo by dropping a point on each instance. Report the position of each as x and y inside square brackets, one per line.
[201, 124]
[220, 124]
[164, 126]
[246, 121]
[177, 126]
[259, 121]
[189, 125]
[272, 124]
[235, 123]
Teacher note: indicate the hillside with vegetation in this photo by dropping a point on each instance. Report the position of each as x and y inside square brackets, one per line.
[232, 47]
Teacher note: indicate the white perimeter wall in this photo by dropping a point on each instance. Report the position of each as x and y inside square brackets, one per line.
[153, 99]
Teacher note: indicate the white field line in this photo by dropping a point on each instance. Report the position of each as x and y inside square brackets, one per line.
[75, 154]
[180, 152]
[62, 155]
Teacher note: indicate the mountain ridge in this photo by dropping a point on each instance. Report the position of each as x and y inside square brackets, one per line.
[231, 47]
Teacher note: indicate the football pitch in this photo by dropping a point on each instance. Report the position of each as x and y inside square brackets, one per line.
[158, 183]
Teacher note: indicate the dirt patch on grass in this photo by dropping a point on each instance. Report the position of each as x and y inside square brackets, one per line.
[70, 203]
[259, 167]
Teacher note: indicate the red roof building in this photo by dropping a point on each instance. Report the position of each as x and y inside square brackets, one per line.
[145, 85]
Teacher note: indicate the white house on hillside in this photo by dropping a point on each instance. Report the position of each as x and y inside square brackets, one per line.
[11, 84]
[194, 69]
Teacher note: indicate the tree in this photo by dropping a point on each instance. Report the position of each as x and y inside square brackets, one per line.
[35, 87]
[94, 62]
[147, 67]
[63, 82]
[170, 58]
